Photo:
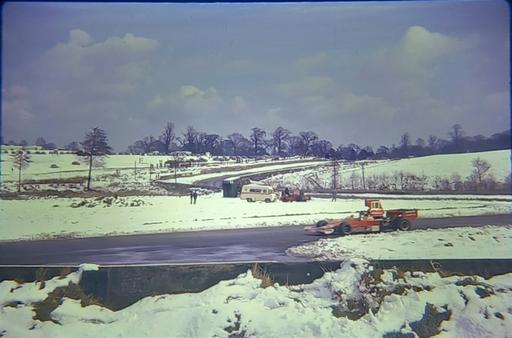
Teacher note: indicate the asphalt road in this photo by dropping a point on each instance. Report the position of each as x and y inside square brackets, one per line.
[262, 244]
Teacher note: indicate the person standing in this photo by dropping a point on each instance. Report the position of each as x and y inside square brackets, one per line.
[195, 196]
[191, 196]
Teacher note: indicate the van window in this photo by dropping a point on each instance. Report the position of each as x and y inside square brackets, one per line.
[255, 190]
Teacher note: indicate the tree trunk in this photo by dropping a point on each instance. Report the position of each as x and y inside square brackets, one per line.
[89, 177]
[19, 178]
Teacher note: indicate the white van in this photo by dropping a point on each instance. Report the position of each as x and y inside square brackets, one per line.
[255, 192]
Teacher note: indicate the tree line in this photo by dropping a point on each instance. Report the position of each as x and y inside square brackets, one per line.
[282, 142]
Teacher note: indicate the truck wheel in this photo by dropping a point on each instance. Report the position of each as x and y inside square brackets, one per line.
[321, 223]
[343, 229]
[404, 225]
[249, 200]
[267, 200]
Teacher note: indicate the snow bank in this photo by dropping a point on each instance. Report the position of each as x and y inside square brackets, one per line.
[451, 243]
[349, 302]
[75, 217]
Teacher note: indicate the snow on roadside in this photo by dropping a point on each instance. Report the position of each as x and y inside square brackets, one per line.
[40, 218]
[28, 293]
[351, 301]
[450, 243]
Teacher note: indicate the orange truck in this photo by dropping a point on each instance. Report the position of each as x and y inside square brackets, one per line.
[373, 219]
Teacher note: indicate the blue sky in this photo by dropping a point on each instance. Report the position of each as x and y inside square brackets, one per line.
[354, 72]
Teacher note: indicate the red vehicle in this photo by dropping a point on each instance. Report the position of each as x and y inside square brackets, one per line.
[295, 197]
[374, 219]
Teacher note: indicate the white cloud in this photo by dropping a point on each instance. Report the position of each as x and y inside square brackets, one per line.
[421, 46]
[188, 99]
[80, 38]
[189, 91]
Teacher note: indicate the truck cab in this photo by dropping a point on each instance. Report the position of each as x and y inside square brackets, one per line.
[374, 210]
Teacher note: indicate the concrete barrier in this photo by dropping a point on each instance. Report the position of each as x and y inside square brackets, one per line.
[119, 286]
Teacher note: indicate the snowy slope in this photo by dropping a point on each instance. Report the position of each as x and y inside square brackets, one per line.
[348, 302]
[41, 163]
[443, 166]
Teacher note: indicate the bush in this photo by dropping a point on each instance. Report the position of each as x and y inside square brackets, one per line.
[75, 163]
[54, 166]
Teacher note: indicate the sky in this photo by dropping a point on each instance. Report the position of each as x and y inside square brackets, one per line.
[353, 72]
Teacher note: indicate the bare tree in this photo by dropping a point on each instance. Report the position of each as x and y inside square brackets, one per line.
[420, 142]
[308, 137]
[321, 148]
[405, 141]
[95, 145]
[432, 143]
[256, 137]
[168, 136]
[279, 137]
[456, 134]
[354, 180]
[237, 140]
[21, 160]
[208, 142]
[456, 182]
[295, 145]
[190, 139]
[480, 169]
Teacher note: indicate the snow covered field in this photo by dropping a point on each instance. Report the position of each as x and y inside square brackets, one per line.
[235, 174]
[433, 168]
[35, 218]
[451, 243]
[353, 301]
[129, 172]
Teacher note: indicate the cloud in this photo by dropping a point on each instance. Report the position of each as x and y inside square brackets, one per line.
[310, 62]
[420, 46]
[188, 100]
[16, 109]
[305, 86]
[78, 37]
[95, 73]
[189, 91]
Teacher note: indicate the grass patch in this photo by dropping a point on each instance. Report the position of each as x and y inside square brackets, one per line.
[263, 275]
[41, 277]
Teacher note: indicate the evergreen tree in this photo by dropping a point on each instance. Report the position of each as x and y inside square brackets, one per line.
[94, 145]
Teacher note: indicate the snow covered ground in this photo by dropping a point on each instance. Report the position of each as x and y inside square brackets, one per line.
[128, 172]
[451, 243]
[433, 168]
[353, 301]
[36, 218]
[235, 174]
